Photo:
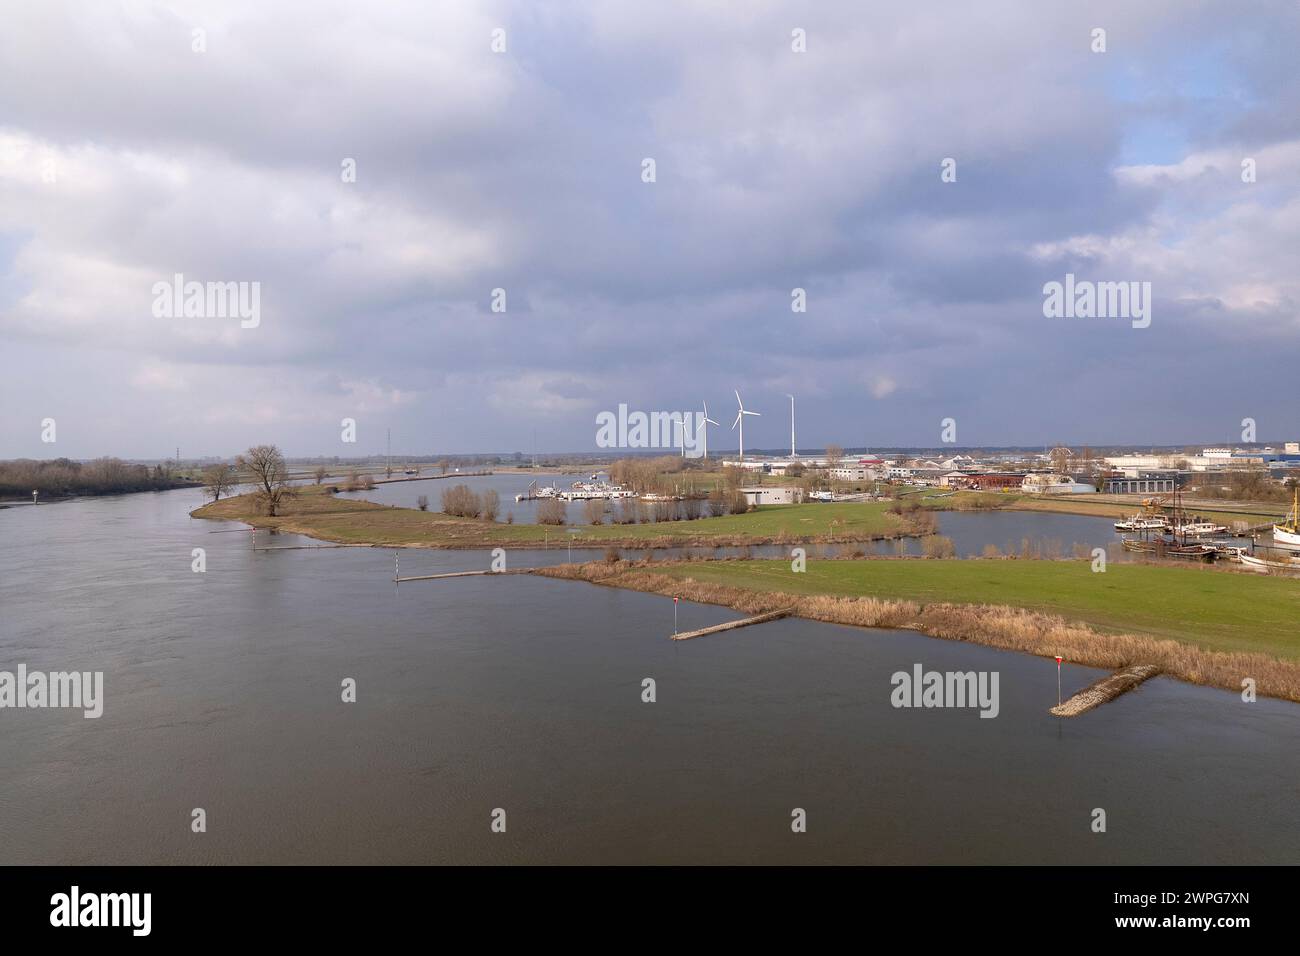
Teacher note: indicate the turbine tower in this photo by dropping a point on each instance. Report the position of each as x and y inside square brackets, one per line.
[793, 454]
[681, 424]
[705, 425]
[740, 420]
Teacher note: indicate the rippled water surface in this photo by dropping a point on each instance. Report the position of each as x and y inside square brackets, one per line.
[223, 692]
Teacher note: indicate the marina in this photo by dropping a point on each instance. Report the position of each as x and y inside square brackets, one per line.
[591, 489]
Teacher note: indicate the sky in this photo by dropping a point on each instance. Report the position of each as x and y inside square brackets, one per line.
[134, 149]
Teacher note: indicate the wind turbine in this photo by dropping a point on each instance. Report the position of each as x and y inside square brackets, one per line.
[705, 425]
[681, 423]
[793, 455]
[740, 420]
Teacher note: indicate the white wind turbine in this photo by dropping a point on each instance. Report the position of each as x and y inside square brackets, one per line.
[681, 424]
[793, 453]
[705, 426]
[740, 420]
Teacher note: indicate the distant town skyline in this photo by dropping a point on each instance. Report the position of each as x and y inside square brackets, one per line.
[443, 217]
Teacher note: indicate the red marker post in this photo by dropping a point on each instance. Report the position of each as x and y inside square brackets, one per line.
[1058, 680]
[674, 617]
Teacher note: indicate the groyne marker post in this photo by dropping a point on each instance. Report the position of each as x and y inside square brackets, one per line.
[674, 615]
[1058, 681]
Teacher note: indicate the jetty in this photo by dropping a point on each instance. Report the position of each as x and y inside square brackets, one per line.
[1106, 689]
[453, 474]
[459, 574]
[732, 625]
[311, 547]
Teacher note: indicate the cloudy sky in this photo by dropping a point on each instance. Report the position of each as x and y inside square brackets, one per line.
[128, 156]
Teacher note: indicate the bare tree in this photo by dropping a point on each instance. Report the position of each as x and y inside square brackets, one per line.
[321, 474]
[462, 502]
[595, 511]
[422, 502]
[1061, 460]
[270, 477]
[551, 511]
[218, 480]
[717, 503]
[491, 504]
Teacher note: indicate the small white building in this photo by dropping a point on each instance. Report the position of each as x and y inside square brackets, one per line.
[772, 496]
[1042, 484]
[851, 473]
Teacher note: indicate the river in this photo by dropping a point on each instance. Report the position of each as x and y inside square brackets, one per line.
[223, 692]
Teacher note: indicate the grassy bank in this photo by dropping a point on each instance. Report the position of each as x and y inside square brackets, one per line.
[1199, 626]
[319, 514]
[1190, 604]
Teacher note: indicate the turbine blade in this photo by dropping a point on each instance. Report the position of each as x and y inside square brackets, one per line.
[737, 421]
[738, 401]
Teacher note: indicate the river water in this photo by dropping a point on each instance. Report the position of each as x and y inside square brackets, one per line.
[223, 692]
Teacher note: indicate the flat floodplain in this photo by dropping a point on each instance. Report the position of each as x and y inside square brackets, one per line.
[346, 520]
[1211, 608]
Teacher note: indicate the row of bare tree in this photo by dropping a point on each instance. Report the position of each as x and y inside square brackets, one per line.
[63, 476]
[635, 511]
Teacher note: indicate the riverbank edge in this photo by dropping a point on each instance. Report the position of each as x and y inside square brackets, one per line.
[999, 626]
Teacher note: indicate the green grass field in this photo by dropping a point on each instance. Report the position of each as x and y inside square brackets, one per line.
[1214, 609]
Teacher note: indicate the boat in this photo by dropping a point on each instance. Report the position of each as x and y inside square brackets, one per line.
[1193, 552]
[1264, 566]
[1287, 534]
[1142, 523]
[534, 493]
[1162, 547]
[1198, 526]
[821, 496]
[587, 490]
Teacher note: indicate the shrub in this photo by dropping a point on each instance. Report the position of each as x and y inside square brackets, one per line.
[461, 502]
[938, 546]
[552, 511]
[422, 502]
[491, 504]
